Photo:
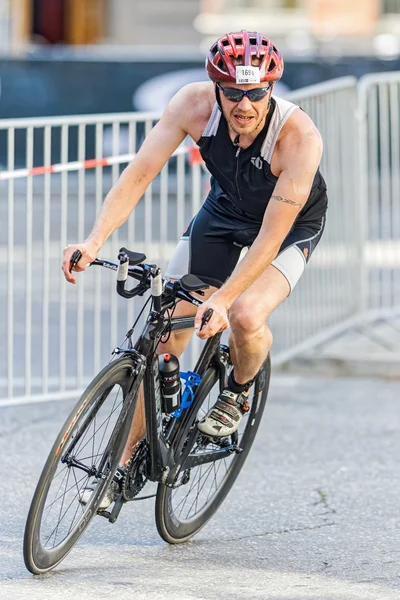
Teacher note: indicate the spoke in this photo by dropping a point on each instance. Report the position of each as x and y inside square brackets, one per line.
[94, 427]
[82, 458]
[193, 482]
[202, 412]
[199, 490]
[59, 487]
[61, 507]
[215, 480]
[65, 492]
[113, 409]
[197, 482]
[60, 472]
[78, 504]
[80, 448]
[67, 509]
[198, 477]
[105, 394]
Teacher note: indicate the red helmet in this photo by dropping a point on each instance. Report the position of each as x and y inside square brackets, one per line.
[221, 63]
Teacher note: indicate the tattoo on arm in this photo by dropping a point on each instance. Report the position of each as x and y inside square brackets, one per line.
[291, 202]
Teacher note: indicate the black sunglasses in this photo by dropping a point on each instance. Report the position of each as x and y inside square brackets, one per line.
[235, 95]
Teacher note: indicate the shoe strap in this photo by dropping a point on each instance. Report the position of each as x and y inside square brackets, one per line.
[219, 416]
[228, 409]
[237, 399]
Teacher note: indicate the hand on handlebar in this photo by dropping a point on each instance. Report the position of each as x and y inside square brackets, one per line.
[211, 318]
[76, 257]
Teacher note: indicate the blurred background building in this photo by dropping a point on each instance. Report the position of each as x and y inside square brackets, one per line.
[299, 26]
[90, 56]
[303, 27]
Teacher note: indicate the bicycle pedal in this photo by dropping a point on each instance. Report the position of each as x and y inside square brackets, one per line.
[234, 449]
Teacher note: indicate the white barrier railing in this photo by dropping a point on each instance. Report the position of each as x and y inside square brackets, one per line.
[55, 172]
[379, 134]
[58, 335]
[327, 295]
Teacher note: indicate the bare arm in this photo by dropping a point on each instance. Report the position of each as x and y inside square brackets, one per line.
[301, 156]
[156, 149]
[300, 160]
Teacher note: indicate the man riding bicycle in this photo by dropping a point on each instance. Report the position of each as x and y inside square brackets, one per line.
[267, 194]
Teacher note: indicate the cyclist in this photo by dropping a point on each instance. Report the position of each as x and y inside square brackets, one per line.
[267, 194]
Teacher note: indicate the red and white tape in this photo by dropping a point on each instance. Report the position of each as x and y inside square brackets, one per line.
[193, 152]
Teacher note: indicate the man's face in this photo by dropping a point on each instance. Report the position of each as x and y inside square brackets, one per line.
[245, 117]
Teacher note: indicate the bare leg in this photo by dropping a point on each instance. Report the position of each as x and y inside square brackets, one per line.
[138, 429]
[251, 338]
[175, 345]
[248, 352]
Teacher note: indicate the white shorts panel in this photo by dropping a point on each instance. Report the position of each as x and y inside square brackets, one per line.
[178, 266]
[291, 263]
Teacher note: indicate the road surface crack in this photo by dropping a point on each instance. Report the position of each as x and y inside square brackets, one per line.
[323, 502]
[280, 531]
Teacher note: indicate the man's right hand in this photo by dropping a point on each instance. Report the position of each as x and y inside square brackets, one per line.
[88, 252]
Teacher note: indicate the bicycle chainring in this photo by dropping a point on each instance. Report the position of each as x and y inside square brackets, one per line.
[135, 476]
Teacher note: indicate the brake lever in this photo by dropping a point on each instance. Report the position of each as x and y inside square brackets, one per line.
[75, 258]
[206, 317]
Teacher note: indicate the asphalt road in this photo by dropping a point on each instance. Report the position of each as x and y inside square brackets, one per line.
[313, 515]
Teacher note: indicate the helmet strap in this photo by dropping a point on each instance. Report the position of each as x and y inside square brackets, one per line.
[218, 97]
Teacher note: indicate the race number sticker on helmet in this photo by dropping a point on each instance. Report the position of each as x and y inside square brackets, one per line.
[247, 74]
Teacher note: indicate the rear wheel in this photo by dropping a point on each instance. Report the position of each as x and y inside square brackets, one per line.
[88, 446]
[181, 511]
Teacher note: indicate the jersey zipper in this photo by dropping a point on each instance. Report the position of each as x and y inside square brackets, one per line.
[237, 173]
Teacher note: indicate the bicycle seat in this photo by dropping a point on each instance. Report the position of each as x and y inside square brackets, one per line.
[135, 258]
[191, 283]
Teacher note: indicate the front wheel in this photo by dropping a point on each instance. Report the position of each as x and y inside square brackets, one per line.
[88, 446]
[181, 511]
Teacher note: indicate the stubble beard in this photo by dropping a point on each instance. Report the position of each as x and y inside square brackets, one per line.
[259, 123]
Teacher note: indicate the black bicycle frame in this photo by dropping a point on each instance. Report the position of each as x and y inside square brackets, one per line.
[143, 353]
[161, 452]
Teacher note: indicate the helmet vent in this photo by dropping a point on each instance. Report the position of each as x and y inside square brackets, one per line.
[238, 41]
[225, 43]
[265, 43]
[272, 65]
[222, 66]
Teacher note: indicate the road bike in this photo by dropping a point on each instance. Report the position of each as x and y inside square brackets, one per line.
[194, 472]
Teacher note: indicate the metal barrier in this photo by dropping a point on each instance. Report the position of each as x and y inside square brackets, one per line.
[390, 7]
[379, 127]
[57, 335]
[56, 172]
[327, 296]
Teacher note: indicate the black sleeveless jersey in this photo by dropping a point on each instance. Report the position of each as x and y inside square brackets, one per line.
[241, 179]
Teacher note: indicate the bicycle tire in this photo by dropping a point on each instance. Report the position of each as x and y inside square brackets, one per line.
[119, 373]
[171, 527]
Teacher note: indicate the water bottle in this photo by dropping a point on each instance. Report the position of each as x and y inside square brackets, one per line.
[170, 382]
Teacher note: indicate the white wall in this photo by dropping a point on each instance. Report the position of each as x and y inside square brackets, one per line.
[169, 22]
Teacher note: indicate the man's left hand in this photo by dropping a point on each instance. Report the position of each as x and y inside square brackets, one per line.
[219, 319]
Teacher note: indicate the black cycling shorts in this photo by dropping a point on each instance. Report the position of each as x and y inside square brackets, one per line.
[211, 246]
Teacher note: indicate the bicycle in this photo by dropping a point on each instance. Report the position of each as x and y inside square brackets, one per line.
[194, 472]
